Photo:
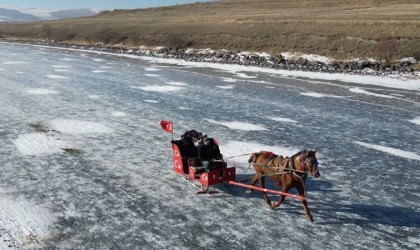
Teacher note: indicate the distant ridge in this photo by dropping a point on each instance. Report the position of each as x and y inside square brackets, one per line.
[34, 15]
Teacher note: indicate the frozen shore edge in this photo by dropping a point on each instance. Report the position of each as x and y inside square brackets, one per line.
[402, 69]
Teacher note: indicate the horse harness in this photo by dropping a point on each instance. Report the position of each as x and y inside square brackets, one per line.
[282, 166]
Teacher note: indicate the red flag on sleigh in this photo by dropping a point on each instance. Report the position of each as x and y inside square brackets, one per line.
[167, 126]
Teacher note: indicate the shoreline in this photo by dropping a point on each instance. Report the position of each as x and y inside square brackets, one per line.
[282, 64]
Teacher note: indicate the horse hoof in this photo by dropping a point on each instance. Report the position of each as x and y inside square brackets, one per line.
[310, 219]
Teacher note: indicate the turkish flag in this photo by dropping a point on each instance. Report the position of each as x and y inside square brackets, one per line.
[167, 126]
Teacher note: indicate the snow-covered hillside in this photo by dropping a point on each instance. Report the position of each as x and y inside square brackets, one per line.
[9, 14]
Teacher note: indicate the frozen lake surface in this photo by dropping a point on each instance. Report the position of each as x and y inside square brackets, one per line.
[85, 165]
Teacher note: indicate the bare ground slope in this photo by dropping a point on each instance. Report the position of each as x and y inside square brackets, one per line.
[337, 28]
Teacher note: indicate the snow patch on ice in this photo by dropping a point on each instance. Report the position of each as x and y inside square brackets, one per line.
[61, 66]
[23, 224]
[414, 240]
[151, 75]
[282, 119]
[14, 62]
[61, 70]
[236, 125]
[313, 94]
[151, 69]
[236, 148]
[176, 83]
[41, 92]
[56, 77]
[98, 60]
[98, 71]
[226, 87]
[67, 59]
[416, 120]
[118, 113]
[151, 101]
[389, 150]
[361, 91]
[229, 79]
[159, 88]
[39, 144]
[185, 108]
[94, 96]
[76, 127]
[243, 75]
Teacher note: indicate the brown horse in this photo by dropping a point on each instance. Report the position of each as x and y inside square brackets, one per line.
[285, 172]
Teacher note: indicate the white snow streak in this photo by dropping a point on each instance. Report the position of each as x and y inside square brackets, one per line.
[118, 113]
[281, 119]
[159, 88]
[41, 92]
[236, 125]
[61, 66]
[56, 77]
[151, 101]
[151, 75]
[151, 69]
[177, 83]
[14, 62]
[94, 96]
[226, 87]
[313, 94]
[361, 91]
[229, 79]
[392, 151]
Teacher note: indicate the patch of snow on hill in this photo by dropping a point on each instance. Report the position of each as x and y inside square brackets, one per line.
[41, 13]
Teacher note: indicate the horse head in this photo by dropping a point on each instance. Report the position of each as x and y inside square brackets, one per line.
[311, 164]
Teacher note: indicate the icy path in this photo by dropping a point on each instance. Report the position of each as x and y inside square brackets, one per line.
[84, 163]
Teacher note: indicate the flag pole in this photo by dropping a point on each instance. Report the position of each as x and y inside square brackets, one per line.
[172, 131]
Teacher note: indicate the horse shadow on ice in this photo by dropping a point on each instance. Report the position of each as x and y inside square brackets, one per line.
[329, 213]
[366, 214]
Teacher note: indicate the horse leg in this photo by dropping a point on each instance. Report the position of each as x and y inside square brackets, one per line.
[253, 181]
[301, 192]
[262, 185]
[284, 189]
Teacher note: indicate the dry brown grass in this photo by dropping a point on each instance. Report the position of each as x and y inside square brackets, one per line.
[338, 28]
